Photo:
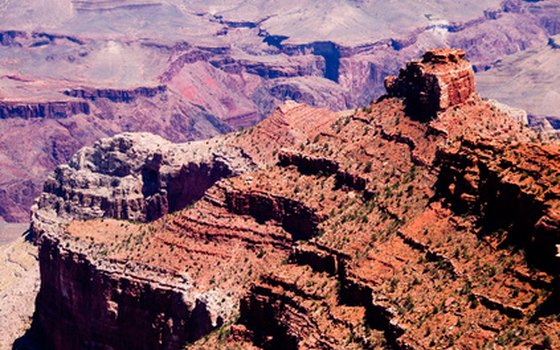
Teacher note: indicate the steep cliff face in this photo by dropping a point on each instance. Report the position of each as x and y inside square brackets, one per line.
[116, 307]
[80, 279]
[115, 95]
[364, 229]
[294, 217]
[139, 177]
[398, 262]
[51, 110]
[60, 130]
[441, 80]
[515, 195]
[135, 177]
[142, 177]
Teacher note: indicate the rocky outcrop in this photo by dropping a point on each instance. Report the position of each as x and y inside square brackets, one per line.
[138, 177]
[513, 187]
[50, 110]
[297, 219]
[142, 177]
[111, 306]
[441, 80]
[397, 267]
[116, 95]
[308, 164]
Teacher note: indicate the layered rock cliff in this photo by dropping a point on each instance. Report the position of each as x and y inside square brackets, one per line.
[139, 177]
[515, 195]
[142, 177]
[116, 95]
[51, 110]
[441, 80]
[365, 229]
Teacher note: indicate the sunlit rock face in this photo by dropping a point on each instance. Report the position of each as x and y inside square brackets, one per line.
[442, 79]
[329, 230]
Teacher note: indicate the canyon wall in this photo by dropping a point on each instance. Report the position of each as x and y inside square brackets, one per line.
[141, 178]
[234, 76]
[112, 306]
[516, 194]
[115, 95]
[424, 247]
[51, 110]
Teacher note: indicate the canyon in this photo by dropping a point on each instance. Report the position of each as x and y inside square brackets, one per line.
[192, 71]
[428, 218]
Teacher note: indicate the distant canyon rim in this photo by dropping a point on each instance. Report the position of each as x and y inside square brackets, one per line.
[189, 71]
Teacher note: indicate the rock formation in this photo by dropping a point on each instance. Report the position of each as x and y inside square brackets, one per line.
[509, 191]
[138, 177]
[115, 95]
[441, 80]
[51, 110]
[363, 229]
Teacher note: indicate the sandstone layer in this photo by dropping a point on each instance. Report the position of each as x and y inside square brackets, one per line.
[140, 178]
[441, 80]
[52, 110]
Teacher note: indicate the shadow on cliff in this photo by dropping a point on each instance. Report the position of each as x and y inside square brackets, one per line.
[34, 338]
[413, 109]
[29, 341]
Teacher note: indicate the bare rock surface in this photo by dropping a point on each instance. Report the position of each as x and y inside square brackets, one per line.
[138, 177]
[442, 79]
[363, 229]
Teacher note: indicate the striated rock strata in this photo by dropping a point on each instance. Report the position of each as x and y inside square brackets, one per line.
[509, 190]
[115, 95]
[139, 177]
[51, 110]
[238, 72]
[365, 229]
[441, 80]
[142, 177]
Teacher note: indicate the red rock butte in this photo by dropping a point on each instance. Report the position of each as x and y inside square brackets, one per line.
[442, 79]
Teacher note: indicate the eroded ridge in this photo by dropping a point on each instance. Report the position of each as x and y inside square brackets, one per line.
[360, 230]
